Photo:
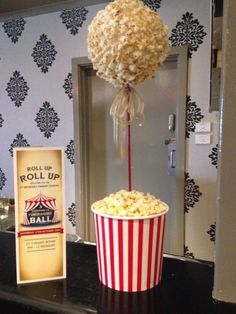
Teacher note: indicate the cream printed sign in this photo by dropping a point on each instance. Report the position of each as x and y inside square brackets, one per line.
[39, 207]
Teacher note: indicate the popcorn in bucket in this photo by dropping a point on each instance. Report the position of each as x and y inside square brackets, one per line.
[130, 240]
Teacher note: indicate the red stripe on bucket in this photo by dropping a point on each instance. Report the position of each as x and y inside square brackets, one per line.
[150, 241]
[98, 248]
[104, 250]
[140, 255]
[161, 262]
[120, 249]
[130, 254]
[157, 251]
[112, 253]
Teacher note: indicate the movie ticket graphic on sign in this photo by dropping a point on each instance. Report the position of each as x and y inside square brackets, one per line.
[39, 219]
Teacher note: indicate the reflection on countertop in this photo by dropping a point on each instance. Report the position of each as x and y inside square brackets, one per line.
[186, 288]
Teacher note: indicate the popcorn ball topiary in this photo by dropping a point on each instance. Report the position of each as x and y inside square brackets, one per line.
[127, 42]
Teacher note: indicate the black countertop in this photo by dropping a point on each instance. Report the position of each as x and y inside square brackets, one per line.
[186, 288]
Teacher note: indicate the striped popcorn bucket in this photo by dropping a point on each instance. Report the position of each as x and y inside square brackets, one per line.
[130, 250]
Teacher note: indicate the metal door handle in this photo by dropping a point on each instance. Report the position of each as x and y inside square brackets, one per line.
[172, 158]
[171, 122]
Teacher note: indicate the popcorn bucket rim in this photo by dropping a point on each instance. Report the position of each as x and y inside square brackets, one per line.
[132, 218]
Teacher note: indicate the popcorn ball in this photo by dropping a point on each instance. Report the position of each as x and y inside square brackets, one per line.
[130, 204]
[127, 42]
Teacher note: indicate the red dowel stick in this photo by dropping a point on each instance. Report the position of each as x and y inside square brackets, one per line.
[129, 154]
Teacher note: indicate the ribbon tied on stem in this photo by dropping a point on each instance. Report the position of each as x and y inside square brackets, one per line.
[127, 107]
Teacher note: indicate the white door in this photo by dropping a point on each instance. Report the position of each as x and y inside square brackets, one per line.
[153, 159]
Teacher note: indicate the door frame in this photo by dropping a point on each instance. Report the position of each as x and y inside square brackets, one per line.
[79, 68]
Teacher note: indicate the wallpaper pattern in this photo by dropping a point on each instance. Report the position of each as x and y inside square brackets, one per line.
[17, 88]
[36, 101]
[44, 53]
[188, 31]
[73, 19]
[14, 28]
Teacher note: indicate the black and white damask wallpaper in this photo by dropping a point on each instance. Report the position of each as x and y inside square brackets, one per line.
[188, 253]
[191, 193]
[71, 214]
[68, 85]
[70, 152]
[153, 4]
[17, 88]
[214, 155]
[74, 19]
[193, 116]
[36, 107]
[47, 119]
[1, 121]
[3, 179]
[14, 28]
[188, 31]
[18, 141]
[44, 53]
[212, 232]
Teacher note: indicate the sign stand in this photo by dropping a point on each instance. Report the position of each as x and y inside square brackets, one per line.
[39, 219]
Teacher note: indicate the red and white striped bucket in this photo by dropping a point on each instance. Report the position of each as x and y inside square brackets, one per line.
[130, 250]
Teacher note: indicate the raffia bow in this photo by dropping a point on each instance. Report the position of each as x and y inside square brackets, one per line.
[127, 107]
